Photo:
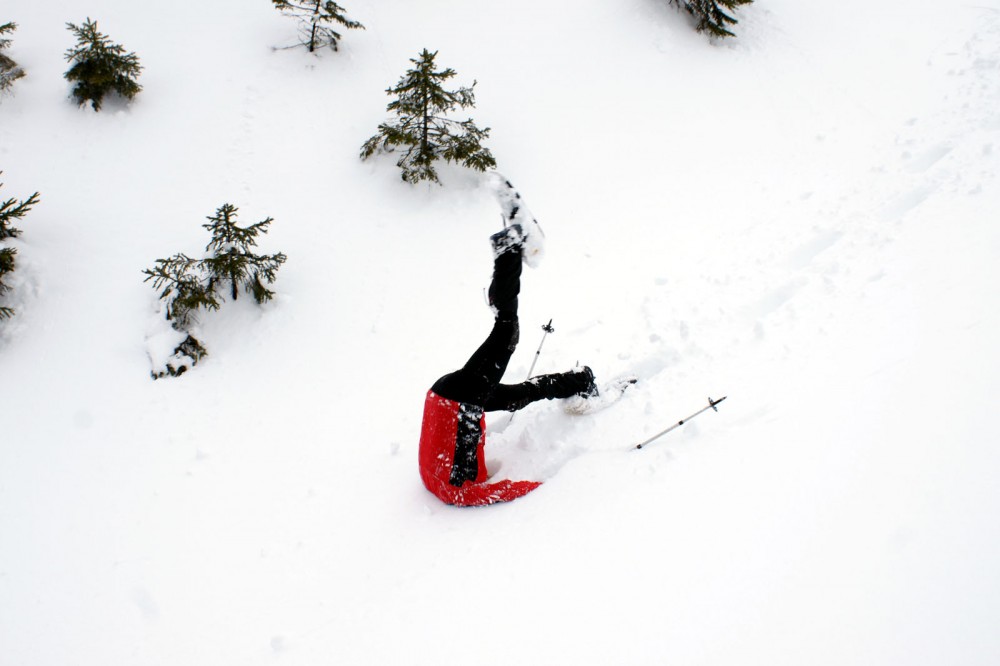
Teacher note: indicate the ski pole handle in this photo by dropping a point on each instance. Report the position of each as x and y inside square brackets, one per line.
[538, 352]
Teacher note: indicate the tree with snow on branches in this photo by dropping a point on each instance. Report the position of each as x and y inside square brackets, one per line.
[422, 129]
[316, 18]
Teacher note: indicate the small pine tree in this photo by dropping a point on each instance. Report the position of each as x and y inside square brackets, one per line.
[10, 210]
[423, 130]
[711, 14]
[189, 284]
[9, 71]
[315, 18]
[100, 66]
[233, 262]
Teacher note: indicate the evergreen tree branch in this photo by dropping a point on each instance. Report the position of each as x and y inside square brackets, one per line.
[711, 15]
[9, 70]
[7, 265]
[183, 288]
[11, 210]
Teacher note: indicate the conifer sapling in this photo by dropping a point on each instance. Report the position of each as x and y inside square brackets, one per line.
[421, 128]
[187, 285]
[99, 67]
[9, 71]
[232, 260]
[190, 284]
[316, 18]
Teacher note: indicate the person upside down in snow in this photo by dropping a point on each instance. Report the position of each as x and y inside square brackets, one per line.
[452, 463]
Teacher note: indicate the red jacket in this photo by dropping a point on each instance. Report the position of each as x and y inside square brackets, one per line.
[440, 438]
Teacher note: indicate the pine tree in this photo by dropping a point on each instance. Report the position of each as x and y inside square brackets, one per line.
[9, 71]
[100, 66]
[232, 260]
[189, 284]
[315, 18]
[421, 127]
[10, 210]
[711, 14]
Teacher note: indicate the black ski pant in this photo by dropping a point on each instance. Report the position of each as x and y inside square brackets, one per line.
[478, 381]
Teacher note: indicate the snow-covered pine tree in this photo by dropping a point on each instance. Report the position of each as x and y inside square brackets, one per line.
[99, 66]
[188, 284]
[232, 260]
[9, 71]
[316, 19]
[711, 14]
[10, 210]
[421, 128]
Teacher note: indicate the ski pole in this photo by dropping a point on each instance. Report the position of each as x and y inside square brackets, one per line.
[548, 329]
[711, 405]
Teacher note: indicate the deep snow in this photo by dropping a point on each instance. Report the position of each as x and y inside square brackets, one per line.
[803, 218]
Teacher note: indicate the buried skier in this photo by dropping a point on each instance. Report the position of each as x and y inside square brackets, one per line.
[452, 463]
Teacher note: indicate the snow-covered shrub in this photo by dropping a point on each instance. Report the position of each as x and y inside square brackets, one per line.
[99, 66]
[187, 285]
[421, 127]
[184, 356]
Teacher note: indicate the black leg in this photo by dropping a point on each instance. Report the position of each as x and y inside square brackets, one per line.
[475, 382]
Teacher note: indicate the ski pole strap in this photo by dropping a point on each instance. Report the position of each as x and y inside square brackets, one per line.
[711, 405]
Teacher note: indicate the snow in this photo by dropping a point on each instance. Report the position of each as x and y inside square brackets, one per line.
[802, 219]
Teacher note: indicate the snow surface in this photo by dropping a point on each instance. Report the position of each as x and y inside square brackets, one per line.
[803, 219]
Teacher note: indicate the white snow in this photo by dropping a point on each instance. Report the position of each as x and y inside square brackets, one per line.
[803, 219]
